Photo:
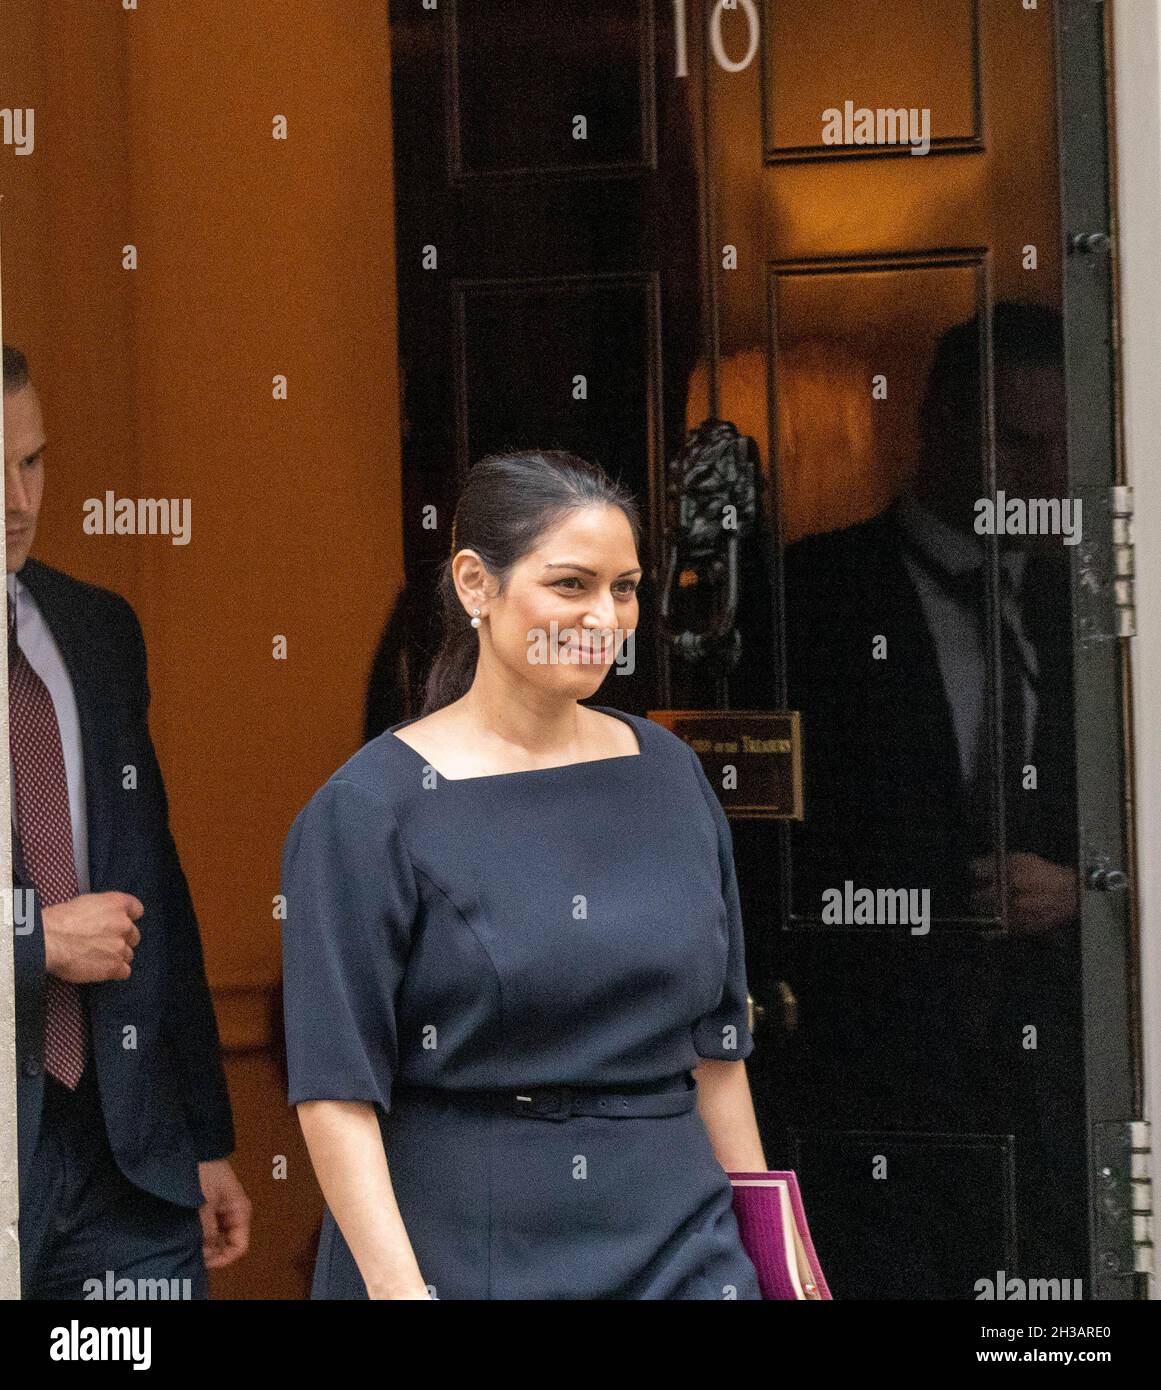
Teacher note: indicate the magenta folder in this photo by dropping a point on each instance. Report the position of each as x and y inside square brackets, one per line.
[772, 1223]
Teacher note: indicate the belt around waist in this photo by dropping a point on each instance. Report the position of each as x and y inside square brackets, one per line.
[671, 1096]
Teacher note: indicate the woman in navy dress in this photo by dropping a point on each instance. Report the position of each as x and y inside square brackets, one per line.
[512, 934]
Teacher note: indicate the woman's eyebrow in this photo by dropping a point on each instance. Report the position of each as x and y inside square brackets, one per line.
[572, 565]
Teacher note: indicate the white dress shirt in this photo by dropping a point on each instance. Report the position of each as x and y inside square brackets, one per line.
[43, 655]
[955, 629]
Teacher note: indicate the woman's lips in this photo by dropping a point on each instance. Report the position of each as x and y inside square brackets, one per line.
[586, 650]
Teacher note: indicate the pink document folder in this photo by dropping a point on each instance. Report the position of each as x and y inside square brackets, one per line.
[772, 1223]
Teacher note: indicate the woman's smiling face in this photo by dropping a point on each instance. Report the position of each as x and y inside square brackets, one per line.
[570, 604]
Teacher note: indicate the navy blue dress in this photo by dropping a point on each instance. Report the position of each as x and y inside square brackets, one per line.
[566, 926]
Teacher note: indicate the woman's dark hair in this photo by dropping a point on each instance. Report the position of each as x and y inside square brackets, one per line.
[509, 501]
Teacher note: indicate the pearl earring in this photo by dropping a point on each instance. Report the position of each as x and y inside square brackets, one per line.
[475, 617]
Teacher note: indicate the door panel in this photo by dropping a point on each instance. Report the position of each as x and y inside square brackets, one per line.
[521, 73]
[566, 342]
[877, 56]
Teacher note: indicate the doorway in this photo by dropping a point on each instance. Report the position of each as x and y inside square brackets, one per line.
[874, 241]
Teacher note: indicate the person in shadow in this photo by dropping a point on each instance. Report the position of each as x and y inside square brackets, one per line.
[936, 699]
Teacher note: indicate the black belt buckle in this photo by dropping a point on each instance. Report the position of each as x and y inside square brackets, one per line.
[545, 1102]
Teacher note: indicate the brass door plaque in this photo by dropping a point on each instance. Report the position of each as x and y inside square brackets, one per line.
[753, 758]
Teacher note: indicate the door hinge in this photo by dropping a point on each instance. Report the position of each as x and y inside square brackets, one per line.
[1105, 604]
[1089, 243]
[1121, 507]
[1124, 1198]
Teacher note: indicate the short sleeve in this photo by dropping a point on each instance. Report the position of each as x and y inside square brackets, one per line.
[724, 1033]
[350, 904]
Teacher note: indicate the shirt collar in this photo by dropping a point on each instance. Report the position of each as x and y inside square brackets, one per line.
[953, 551]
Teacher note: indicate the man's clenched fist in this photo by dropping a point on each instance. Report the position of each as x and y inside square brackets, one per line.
[91, 937]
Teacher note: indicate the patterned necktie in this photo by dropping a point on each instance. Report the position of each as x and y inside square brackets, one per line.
[46, 838]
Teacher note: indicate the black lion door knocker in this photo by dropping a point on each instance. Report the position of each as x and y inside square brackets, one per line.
[711, 496]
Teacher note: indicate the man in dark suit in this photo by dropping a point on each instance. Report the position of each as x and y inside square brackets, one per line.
[889, 659]
[123, 1113]
[887, 648]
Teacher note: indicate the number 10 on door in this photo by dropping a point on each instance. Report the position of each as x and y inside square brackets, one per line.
[715, 34]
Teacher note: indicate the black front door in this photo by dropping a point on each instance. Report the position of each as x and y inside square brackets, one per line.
[840, 228]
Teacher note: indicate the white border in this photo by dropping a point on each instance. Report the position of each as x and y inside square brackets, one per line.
[1137, 67]
[9, 1183]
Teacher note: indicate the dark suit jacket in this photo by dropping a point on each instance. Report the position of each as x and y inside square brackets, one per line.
[154, 1037]
[883, 790]
[883, 782]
